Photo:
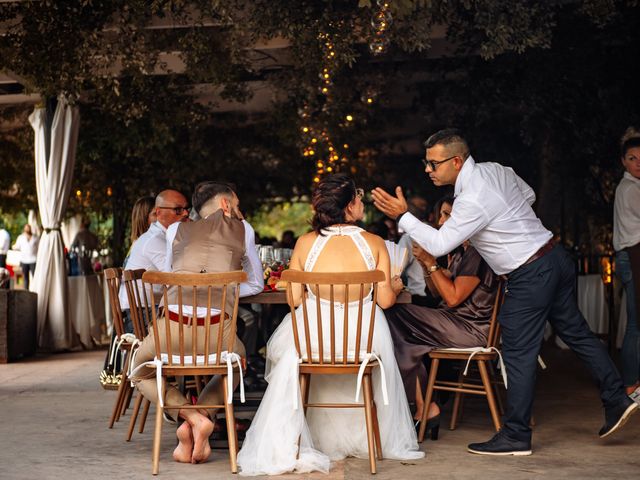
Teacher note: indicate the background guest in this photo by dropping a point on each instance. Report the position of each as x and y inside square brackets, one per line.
[27, 244]
[5, 244]
[626, 242]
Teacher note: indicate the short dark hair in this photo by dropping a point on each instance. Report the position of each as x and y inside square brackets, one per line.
[446, 137]
[330, 198]
[630, 143]
[205, 191]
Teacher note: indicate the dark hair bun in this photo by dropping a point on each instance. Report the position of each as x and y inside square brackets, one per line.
[329, 200]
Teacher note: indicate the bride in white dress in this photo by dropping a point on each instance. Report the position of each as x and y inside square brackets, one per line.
[271, 443]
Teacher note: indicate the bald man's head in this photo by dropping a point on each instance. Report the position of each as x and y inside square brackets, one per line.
[171, 206]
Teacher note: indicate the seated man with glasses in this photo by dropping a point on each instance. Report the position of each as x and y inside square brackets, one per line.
[150, 250]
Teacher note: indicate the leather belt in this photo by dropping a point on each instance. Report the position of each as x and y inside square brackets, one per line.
[200, 321]
[542, 251]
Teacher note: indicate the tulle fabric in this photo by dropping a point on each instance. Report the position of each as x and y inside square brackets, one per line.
[326, 434]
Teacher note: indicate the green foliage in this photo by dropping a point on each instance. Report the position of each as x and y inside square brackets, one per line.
[272, 220]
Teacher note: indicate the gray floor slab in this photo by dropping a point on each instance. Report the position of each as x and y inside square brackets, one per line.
[54, 414]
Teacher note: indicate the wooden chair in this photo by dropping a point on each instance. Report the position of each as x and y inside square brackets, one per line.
[482, 356]
[140, 313]
[112, 277]
[337, 357]
[196, 361]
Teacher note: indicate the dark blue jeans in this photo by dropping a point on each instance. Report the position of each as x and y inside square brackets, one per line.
[540, 291]
[631, 342]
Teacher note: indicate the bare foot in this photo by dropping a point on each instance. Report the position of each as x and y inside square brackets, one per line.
[183, 451]
[202, 428]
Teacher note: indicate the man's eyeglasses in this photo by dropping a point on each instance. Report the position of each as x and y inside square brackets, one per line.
[359, 193]
[177, 210]
[433, 164]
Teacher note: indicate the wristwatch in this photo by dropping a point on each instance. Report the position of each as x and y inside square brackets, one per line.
[432, 268]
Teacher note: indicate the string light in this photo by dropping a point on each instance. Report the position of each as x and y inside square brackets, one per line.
[381, 21]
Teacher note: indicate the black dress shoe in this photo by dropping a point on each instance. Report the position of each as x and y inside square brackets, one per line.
[501, 444]
[616, 417]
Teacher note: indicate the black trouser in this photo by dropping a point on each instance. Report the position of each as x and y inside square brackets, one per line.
[540, 291]
[26, 268]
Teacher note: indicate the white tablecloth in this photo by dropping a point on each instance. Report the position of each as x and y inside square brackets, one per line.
[592, 302]
[86, 308]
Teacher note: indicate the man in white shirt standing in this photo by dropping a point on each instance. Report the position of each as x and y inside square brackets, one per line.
[493, 210]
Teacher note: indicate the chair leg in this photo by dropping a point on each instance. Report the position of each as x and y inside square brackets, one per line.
[427, 398]
[143, 418]
[117, 407]
[376, 431]
[134, 415]
[368, 412]
[496, 390]
[486, 381]
[157, 436]
[304, 388]
[127, 397]
[457, 405]
[232, 434]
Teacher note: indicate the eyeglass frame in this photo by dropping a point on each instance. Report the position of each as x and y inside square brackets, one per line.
[360, 193]
[433, 164]
[177, 210]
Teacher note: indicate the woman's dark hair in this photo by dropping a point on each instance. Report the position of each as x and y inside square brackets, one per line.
[330, 198]
[436, 209]
[632, 142]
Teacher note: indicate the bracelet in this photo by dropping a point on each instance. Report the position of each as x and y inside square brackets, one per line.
[400, 216]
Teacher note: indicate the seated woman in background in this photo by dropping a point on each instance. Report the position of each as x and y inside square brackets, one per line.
[468, 289]
[281, 439]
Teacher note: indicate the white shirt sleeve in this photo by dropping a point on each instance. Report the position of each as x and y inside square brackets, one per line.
[467, 218]
[171, 235]
[251, 264]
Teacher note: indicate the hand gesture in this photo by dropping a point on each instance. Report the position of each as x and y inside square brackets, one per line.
[422, 255]
[396, 284]
[391, 206]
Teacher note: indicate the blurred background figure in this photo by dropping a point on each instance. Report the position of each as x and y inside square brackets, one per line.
[288, 239]
[5, 243]
[27, 245]
[84, 244]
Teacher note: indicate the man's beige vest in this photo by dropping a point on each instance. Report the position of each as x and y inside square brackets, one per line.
[214, 244]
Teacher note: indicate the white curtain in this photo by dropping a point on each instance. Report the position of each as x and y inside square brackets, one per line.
[53, 184]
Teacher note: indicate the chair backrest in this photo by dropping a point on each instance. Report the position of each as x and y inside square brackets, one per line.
[112, 277]
[343, 343]
[140, 305]
[188, 285]
[494, 325]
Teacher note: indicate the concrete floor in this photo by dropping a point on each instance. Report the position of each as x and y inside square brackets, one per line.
[54, 415]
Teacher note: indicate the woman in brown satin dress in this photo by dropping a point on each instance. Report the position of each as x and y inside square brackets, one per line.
[467, 288]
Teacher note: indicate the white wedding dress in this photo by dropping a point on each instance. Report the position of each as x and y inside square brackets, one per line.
[271, 443]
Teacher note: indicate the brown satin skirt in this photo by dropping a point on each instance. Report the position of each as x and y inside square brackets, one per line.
[417, 330]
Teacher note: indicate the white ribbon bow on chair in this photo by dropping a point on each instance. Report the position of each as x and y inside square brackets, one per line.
[226, 357]
[363, 366]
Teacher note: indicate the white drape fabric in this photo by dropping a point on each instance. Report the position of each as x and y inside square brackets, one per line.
[53, 184]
